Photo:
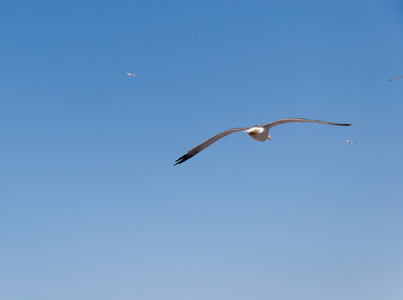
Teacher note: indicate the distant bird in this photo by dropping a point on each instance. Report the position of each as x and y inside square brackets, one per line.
[347, 141]
[129, 74]
[398, 77]
[257, 132]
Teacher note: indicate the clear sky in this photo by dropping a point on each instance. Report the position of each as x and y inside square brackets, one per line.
[91, 206]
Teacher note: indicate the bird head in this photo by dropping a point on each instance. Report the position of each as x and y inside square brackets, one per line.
[258, 133]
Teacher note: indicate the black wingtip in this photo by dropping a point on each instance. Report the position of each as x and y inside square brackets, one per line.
[177, 162]
[182, 159]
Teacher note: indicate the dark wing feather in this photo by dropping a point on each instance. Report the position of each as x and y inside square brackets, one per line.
[300, 120]
[192, 152]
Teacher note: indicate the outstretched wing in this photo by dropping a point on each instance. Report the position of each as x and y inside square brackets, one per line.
[192, 152]
[300, 120]
[392, 78]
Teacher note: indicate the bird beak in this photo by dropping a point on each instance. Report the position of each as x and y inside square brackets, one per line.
[269, 137]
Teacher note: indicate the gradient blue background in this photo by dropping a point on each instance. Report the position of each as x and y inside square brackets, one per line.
[91, 207]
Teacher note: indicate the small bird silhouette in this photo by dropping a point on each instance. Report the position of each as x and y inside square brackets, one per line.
[397, 77]
[129, 74]
[348, 141]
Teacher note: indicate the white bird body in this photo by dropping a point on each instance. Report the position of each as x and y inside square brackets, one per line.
[258, 132]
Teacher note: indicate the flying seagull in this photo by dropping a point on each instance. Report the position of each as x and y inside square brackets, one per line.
[348, 141]
[258, 132]
[129, 74]
[398, 77]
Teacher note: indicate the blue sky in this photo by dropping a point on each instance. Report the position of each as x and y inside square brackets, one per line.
[91, 206]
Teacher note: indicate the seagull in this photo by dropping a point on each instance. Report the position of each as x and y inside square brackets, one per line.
[129, 74]
[258, 132]
[348, 141]
[398, 77]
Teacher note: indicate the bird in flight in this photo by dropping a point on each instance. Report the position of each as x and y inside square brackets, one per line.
[129, 74]
[348, 141]
[398, 77]
[258, 132]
